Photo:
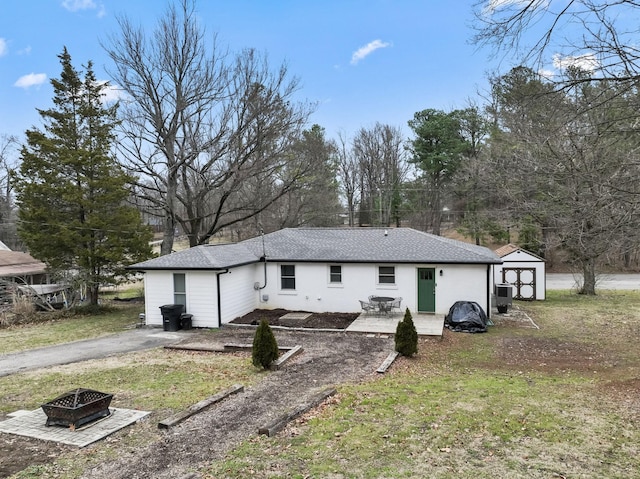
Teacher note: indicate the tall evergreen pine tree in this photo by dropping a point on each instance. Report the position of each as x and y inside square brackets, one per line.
[71, 192]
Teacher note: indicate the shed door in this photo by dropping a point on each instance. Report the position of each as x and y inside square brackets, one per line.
[426, 290]
[523, 281]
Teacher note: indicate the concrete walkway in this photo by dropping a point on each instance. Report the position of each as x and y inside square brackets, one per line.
[426, 324]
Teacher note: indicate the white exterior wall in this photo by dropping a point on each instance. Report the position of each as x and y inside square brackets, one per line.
[201, 296]
[314, 293]
[237, 292]
[158, 291]
[522, 259]
[460, 282]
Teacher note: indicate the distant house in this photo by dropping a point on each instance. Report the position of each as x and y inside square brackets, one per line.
[17, 270]
[523, 270]
[22, 268]
[318, 270]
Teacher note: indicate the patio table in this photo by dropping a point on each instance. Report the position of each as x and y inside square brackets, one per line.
[382, 302]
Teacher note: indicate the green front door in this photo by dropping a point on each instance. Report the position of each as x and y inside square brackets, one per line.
[426, 290]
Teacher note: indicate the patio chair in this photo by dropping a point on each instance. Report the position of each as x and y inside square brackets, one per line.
[366, 306]
[395, 305]
[384, 308]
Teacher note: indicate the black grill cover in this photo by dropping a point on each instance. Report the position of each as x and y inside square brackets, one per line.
[466, 316]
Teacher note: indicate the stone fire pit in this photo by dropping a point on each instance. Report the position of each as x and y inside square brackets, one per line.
[77, 407]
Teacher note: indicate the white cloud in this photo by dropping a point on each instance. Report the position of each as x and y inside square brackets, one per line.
[548, 74]
[4, 48]
[75, 5]
[368, 49]
[112, 93]
[32, 79]
[587, 62]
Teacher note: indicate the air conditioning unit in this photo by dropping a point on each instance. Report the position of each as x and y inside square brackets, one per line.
[504, 297]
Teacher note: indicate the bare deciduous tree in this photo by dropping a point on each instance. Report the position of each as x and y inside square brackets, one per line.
[381, 157]
[206, 133]
[315, 201]
[349, 174]
[598, 36]
[571, 163]
[9, 145]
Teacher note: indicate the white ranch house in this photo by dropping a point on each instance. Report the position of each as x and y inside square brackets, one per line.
[318, 270]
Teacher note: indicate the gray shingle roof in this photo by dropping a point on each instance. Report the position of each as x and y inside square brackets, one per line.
[329, 245]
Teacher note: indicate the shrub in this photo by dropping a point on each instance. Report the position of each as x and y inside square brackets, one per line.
[406, 336]
[265, 348]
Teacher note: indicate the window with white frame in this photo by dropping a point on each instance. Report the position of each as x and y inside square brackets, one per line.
[335, 274]
[386, 275]
[180, 289]
[287, 276]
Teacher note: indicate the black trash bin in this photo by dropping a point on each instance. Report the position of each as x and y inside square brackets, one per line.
[186, 321]
[171, 316]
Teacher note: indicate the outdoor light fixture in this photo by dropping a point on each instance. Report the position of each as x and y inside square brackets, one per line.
[441, 273]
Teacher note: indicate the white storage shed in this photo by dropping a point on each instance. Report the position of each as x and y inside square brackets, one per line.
[523, 270]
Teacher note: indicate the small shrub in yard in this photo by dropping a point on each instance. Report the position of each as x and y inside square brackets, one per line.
[265, 347]
[406, 336]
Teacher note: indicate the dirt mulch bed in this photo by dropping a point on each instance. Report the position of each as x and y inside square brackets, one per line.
[329, 359]
[314, 321]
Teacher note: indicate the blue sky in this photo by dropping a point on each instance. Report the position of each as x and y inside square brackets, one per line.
[362, 61]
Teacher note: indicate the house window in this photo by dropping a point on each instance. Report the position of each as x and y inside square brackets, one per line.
[287, 276]
[180, 289]
[335, 274]
[386, 274]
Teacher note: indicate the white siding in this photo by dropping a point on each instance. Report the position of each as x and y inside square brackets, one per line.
[462, 283]
[237, 292]
[201, 296]
[522, 259]
[314, 292]
[158, 290]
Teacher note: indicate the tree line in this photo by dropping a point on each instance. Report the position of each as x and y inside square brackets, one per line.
[206, 143]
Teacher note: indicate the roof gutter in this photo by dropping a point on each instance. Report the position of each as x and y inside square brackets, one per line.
[219, 296]
[257, 286]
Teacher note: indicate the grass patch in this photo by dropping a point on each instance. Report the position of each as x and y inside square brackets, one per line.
[126, 291]
[159, 380]
[65, 327]
[514, 402]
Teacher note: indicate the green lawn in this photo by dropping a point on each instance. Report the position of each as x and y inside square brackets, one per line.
[161, 381]
[68, 328]
[561, 401]
[516, 402]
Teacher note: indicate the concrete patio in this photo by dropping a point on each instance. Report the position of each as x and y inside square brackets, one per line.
[426, 324]
[32, 424]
